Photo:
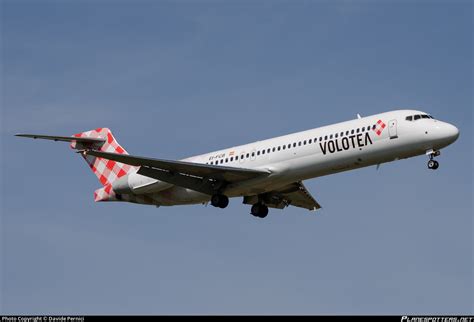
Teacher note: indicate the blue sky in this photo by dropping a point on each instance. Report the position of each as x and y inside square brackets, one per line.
[174, 79]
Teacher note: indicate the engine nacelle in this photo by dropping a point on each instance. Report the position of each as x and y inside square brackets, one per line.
[137, 184]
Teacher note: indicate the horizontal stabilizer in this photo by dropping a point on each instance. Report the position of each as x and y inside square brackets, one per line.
[63, 138]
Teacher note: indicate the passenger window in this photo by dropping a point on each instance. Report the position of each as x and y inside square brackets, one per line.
[258, 152]
[417, 117]
[304, 142]
[320, 138]
[268, 150]
[337, 134]
[248, 155]
[289, 145]
[299, 143]
[310, 140]
[221, 161]
[352, 131]
[294, 145]
[368, 127]
[253, 154]
[357, 130]
[315, 140]
[374, 126]
[241, 157]
[231, 159]
[284, 147]
[273, 150]
[278, 149]
[347, 132]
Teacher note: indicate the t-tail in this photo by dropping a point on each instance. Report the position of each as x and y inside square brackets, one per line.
[107, 171]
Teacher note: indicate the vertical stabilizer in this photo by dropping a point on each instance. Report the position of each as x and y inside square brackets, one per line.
[107, 171]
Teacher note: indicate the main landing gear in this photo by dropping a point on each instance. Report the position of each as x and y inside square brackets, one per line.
[433, 164]
[259, 210]
[220, 201]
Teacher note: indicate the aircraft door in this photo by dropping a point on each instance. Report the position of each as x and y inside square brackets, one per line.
[392, 129]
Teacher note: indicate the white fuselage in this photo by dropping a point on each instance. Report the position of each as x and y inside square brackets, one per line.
[313, 153]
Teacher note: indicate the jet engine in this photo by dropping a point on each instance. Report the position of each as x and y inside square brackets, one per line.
[137, 184]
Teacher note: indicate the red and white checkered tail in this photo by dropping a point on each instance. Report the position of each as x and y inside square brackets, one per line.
[106, 170]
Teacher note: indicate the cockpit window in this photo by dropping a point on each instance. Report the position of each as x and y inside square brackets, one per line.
[418, 117]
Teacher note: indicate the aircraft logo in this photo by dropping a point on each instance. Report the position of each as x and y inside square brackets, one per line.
[379, 127]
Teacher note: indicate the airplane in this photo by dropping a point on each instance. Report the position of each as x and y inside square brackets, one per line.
[267, 173]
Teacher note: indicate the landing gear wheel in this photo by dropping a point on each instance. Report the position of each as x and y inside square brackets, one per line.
[259, 210]
[433, 164]
[220, 201]
[263, 211]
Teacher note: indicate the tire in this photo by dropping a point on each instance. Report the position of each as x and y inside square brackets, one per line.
[223, 201]
[215, 200]
[255, 210]
[431, 164]
[263, 211]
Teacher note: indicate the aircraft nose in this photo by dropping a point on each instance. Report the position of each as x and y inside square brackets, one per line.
[451, 132]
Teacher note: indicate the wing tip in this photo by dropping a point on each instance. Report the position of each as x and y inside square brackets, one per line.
[97, 140]
[24, 135]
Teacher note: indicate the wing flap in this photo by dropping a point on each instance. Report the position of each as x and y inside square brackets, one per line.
[294, 194]
[302, 198]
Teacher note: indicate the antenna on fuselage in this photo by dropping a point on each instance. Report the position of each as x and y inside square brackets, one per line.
[358, 116]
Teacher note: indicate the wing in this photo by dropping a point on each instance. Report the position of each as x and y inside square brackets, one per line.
[197, 176]
[294, 194]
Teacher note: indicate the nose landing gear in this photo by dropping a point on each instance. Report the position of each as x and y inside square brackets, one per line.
[433, 164]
